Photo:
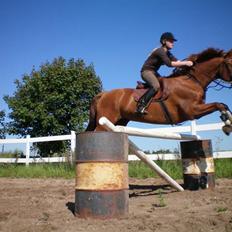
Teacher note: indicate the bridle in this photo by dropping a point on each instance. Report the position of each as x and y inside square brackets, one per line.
[226, 64]
[221, 84]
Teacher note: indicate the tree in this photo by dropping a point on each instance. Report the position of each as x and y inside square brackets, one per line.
[53, 101]
[162, 151]
[2, 125]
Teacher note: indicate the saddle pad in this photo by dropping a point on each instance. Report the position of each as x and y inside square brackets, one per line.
[142, 88]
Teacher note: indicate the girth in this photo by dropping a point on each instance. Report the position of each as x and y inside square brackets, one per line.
[160, 97]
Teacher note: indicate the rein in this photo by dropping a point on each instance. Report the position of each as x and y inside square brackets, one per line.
[219, 83]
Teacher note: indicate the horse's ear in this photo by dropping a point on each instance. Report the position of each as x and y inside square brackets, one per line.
[228, 54]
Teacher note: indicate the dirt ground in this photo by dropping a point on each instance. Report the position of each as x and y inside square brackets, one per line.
[48, 204]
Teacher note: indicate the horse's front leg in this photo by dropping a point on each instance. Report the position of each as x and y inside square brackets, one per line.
[226, 115]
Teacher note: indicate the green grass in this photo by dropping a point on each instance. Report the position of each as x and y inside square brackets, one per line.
[11, 154]
[137, 169]
[221, 209]
[61, 170]
[161, 199]
[223, 168]
[140, 170]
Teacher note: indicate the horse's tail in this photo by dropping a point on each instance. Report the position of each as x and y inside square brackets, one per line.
[93, 113]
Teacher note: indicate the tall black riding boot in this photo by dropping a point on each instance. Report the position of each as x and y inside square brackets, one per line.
[145, 100]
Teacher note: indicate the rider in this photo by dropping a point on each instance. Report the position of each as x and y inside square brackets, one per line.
[149, 72]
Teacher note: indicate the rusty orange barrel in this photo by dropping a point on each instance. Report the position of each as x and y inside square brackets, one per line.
[198, 164]
[101, 189]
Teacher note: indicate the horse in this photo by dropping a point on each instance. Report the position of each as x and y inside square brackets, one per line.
[185, 92]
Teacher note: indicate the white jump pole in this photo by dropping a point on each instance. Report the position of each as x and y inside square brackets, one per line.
[110, 126]
[147, 132]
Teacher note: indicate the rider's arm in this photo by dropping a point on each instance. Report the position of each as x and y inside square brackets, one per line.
[170, 60]
[179, 63]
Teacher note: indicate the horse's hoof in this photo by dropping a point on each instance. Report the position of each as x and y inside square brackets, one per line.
[224, 117]
[227, 129]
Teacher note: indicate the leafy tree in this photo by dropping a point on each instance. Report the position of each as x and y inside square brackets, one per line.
[53, 101]
[2, 125]
[162, 151]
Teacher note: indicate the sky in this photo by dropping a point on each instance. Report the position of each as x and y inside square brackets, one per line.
[114, 36]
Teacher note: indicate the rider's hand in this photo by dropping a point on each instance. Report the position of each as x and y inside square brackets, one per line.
[188, 63]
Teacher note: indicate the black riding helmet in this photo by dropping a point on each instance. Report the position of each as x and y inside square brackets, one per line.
[167, 36]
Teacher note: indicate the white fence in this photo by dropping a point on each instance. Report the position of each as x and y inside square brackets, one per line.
[28, 140]
[193, 129]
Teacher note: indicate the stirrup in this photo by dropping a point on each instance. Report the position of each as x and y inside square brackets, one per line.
[141, 109]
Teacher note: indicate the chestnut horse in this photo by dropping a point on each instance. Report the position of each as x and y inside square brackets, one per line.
[185, 101]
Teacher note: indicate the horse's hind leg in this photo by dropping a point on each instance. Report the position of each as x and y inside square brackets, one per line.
[100, 127]
[114, 119]
[122, 122]
[90, 127]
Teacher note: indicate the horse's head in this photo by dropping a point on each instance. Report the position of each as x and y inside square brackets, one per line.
[225, 69]
[207, 59]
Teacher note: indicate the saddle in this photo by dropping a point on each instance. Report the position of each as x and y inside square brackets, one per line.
[142, 88]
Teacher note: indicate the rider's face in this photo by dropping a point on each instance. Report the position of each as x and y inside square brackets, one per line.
[169, 44]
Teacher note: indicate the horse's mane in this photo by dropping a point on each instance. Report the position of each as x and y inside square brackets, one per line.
[205, 55]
